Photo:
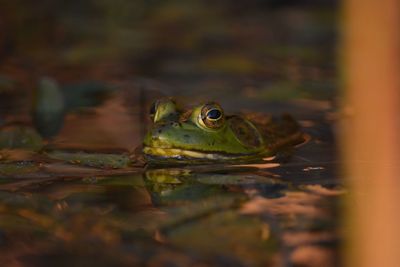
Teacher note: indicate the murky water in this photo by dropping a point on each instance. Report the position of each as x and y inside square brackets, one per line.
[105, 210]
[74, 103]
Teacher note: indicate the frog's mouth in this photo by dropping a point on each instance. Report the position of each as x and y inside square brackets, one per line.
[178, 153]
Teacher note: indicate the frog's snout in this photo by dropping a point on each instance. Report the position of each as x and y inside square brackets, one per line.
[160, 135]
[161, 130]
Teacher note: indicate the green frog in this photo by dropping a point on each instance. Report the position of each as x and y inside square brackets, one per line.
[206, 134]
[201, 135]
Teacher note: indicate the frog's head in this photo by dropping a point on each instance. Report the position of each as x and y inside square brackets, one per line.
[203, 133]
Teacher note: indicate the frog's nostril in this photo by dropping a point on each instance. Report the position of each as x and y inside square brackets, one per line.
[155, 133]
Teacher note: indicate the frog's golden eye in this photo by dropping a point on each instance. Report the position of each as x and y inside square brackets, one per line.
[162, 109]
[212, 116]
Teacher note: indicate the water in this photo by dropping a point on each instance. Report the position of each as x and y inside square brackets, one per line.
[104, 210]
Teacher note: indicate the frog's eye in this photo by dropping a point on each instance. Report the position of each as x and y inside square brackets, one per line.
[161, 109]
[212, 116]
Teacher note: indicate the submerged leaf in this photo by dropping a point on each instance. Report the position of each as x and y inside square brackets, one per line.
[23, 137]
[98, 160]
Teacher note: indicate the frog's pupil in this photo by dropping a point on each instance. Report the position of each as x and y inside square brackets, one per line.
[214, 114]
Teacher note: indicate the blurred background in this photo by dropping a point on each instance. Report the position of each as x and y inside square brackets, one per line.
[242, 55]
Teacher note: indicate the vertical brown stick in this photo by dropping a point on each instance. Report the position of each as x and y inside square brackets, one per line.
[371, 141]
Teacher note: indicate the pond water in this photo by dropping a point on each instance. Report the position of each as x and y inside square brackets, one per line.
[74, 190]
[56, 210]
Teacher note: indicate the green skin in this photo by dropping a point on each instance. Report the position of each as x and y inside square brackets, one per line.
[184, 137]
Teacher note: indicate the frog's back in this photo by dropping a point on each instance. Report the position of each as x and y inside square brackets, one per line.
[278, 133]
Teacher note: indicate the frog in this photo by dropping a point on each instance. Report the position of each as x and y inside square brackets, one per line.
[205, 134]
[199, 135]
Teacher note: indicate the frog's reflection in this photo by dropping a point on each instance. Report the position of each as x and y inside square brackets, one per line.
[171, 186]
